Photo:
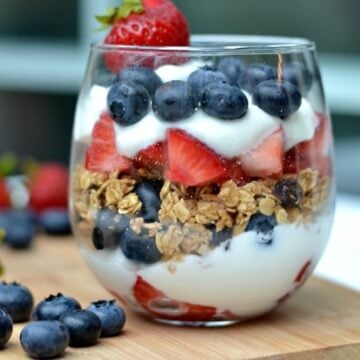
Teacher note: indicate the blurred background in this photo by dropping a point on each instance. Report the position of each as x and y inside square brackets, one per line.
[44, 48]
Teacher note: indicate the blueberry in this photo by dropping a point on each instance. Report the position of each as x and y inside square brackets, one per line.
[17, 300]
[6, 327]
[254, 75]
[143, 76]
[203, 77]
[299, 75]
[84, 327]
[54, 306]
[55, 221]
[224, 101]
[139, 247]
[108, 226]
[44, 339]
[289, 192]
[111, 315]
[232, 67]
[264, 227]
[128, 102]
[149, 194]
[277, 98]
[19, 228]
[219, 237]
[174, 101]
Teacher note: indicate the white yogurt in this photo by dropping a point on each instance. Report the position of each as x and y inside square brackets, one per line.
[88, 111]
[300, 126]
[178, 72]
[247, 279]
[227, 138]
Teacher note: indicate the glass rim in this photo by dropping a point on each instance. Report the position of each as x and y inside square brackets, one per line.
[220, 44]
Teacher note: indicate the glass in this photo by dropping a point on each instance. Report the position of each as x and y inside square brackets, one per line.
[207, 200]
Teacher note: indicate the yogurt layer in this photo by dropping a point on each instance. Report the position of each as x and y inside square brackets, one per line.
[246, 279]
[227, 138]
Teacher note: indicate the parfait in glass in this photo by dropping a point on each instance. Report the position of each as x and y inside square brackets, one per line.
[202, 183]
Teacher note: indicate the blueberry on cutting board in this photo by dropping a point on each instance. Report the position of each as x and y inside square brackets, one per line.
[17, 300]
[44, 339]
[6, 327]
[19, 228]
[54, 306]
[111, 315]
[84, 327]
[55, 222]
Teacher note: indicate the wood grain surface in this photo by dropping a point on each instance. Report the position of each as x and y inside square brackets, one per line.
[321, 322]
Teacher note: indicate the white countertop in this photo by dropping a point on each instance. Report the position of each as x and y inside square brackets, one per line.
[341, 260]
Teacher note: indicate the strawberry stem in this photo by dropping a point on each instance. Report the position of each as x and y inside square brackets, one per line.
[121, 12]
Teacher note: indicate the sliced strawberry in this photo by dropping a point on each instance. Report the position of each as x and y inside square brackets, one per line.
[102, 154]
[303, 273]
[311, 153]
[266, 159]
[191, 162]
[161, 306]
[234, 171]
[4, 195]
[153, 157]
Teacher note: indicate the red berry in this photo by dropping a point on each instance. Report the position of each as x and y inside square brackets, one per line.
[153, 157]
[161, 306]
[266, 159]
[234, 171]
[4, 195]
[150, 23]
[102, 154]
[49, 187]
[303, 273]
[191, 162]
[311, 153]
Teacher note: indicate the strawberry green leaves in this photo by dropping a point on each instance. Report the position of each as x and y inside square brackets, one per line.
[122, 12]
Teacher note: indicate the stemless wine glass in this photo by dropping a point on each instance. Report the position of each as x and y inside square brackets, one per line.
[202, 182]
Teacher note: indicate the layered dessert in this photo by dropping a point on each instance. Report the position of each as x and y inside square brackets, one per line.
[202, 188]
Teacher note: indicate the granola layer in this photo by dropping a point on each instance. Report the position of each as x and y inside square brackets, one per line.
[189, 217]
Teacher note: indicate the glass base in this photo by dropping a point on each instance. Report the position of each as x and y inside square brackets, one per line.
[208, 324]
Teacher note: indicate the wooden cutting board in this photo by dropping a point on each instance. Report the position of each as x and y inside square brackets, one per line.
[321, 322]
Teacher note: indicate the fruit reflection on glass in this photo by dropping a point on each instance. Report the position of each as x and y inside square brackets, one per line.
[202, 187]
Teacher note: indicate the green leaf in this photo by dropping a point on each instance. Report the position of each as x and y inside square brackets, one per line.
[8, 164]
[128, 7]
[29, 167]
[122, 12]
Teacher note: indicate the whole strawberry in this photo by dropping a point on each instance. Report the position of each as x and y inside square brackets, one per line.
[49, 187]
[4, 195]
[145, 23]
